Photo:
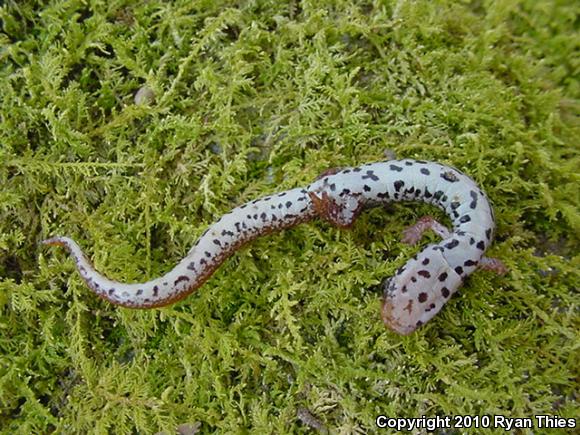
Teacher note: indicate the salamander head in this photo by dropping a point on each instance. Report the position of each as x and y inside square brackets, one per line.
[418, 291]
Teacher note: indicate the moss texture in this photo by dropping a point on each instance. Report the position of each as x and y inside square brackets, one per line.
[242, 99]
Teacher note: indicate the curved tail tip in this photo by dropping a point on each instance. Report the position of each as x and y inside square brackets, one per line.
[53, 241]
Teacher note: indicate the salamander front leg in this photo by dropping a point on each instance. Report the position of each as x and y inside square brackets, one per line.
[414, 233]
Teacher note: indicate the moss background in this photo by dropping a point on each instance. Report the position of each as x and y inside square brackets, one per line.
[250, 98]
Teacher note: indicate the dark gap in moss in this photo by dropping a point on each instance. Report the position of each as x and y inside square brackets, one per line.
[377, 289]
[367, 8]
[11, 268]
[159, 235]
[16, 408]
[232, 32]
[105, 52]
[37, 136]
[83, 14]
[73, 75]
[155, 342]
[295, 9]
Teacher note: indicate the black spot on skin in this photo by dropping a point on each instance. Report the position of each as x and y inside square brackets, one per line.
[413, 279]
[410, 190]
[454, 205]
[432, 306]
[371, 175]
[256, 216]
[398, 185]
[417, 192]
[481, 245]
[395, 168]
[471, 240]
[438, 248]
[383, 195]
[346, 171]
[249, 216]
[422, 297]
[449, 176]
[281, 194]
[445, 292]
[111, 291]
[459, 270]
[425, 262]
[443, 276]
[202, 262]
[452, 244]
[244, 226]
[421, 161]
[263, 216]
[217, 242]
[243, 206]
[465, 218]
[427, 193]
[437, 195]
[424, 273]
[425, 171]
[190, 266]
[356, 170]
[288, 204]
[468, 263]
[408, 163]
[473, 203]
[404, 289]
[155, 290]
[488, 233]
[237, 224]
[344, 192]
[419, 323]
[366, 188]
[227, 233]
[181, 278]
[332, 187]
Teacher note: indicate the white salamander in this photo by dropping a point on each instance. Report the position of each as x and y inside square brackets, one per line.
[412, 296]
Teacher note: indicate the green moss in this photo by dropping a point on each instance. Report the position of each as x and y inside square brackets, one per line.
[251, 98]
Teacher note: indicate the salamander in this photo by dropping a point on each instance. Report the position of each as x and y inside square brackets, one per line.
[417, 291]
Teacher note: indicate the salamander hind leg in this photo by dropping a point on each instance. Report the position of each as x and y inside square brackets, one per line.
[493, 264]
